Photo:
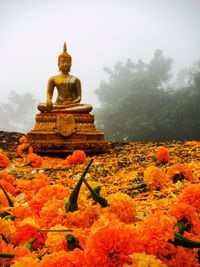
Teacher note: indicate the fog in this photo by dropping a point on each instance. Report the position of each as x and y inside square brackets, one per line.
[97, 33]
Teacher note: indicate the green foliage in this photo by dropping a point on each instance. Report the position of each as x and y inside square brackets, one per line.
[137, 105]
[72, 203]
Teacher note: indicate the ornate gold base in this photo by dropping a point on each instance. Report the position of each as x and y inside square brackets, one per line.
[60, 132]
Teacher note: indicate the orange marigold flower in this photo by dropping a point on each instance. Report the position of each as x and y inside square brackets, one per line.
[181, 257]
[40, 180]
[191, 196]
[154, 178]
[52, 213]
[32, 186]
[56, 241]
[24, 149]
[68, 161]
[45, 194]
[26, 230]
[155, 231]
[81, 234]
[7, 177]
[22, 251]
[7, 249]
[122, 205]
[162, 154]
[35, 206]
[21, 212]
[8, 187]
[180, 172]
[3, 199]
[34, 160]
[110, 245]
[73, 258]
[144, 260]
[7, 229]
[49, 191]
[192, 236]
[78, 157]
[8, 182]
[26, 261]
[84, 217]
[4, 160]
[183, 210]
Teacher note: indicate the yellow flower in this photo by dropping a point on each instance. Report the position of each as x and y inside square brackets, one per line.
[29, 221]
[7, 229]
[144, 260]
[26, 261]
[56, 241]
[122, 205]
[154, 178]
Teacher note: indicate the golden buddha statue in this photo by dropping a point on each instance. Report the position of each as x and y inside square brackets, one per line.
[67, 122]
[68, 88]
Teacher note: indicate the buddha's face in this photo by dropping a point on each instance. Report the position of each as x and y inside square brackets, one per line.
[64, 64]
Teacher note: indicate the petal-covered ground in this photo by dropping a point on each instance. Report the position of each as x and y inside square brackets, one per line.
[138, 205]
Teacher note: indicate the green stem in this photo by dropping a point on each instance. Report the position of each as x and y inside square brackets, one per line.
[4, 214]
[26, 164]
[72, 202]
[7, 196]
[182, 225]
[10, 217]
[96, 197]
[7, 255]
[97, 189]
[57, 169]
[29, 244]
[180, 240]
[25, 150]
[52, 230]
[140, 186]
[72, 242]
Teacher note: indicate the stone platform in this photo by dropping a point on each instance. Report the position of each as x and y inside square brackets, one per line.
[61, 131]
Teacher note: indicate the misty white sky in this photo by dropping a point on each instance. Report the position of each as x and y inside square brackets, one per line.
[98, 33]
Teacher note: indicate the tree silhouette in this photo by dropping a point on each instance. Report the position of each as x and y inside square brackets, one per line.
[137, 105]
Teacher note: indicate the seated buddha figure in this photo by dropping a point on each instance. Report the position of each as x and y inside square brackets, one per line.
[68, 89]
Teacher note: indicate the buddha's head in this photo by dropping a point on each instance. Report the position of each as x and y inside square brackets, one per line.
[64, 60]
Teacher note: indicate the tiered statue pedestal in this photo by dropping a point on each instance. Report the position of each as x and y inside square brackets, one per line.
[62, 131]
